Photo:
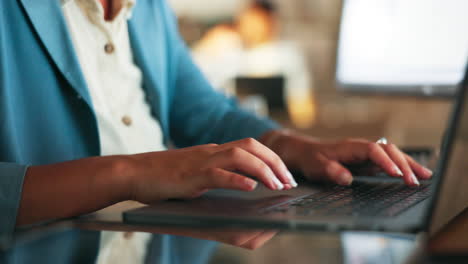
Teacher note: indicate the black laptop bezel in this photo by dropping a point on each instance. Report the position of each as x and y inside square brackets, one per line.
[446, 150]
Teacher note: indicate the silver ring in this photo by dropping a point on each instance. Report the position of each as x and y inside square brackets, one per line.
[382, 140]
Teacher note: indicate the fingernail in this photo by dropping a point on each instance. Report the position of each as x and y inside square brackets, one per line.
[428, 171]
[345, 179]
[251, 184]
[398, 171]
[415, 180]
[277, 184]
[291, 179]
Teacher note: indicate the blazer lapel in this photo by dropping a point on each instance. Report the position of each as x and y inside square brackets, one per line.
[48, 22]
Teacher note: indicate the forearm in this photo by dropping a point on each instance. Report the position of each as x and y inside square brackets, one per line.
[286, 143]
[72, 188]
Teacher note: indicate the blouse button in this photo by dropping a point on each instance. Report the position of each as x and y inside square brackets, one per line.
[126, 120]
[109, 48]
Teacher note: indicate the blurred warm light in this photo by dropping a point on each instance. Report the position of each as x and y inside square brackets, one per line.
[217, 40]
[250, 46]
[302, 111]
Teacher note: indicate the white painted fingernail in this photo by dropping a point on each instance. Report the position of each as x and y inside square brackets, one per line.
[415, 180]
[398, 171]
[428, 171]
[251, 184]
[278, 184]
[291, 179]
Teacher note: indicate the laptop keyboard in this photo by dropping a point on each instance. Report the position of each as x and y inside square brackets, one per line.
[361, 198]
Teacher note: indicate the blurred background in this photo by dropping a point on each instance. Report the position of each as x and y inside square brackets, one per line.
[279, 59]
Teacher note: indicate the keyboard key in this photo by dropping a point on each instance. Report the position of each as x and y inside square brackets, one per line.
[367, 199]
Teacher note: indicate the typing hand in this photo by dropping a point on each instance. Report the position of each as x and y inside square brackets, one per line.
[326, 160]
[189, 172]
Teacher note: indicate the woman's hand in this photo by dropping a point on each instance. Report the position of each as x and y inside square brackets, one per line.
[77, 187]
[189, 172]
[71, 188]
[324, 161]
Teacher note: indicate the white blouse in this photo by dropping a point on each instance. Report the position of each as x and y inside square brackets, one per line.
[125, 122]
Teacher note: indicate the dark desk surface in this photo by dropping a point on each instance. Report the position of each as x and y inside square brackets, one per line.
[285, 247]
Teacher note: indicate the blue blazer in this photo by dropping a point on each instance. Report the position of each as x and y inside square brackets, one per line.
[46, 115]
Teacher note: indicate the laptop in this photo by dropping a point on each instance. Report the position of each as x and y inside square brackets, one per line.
[370, 203]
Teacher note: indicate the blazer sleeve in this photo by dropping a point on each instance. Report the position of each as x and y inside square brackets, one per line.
[199, 115]
[11, 185]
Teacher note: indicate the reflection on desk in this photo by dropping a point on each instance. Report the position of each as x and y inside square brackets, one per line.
[268, 246]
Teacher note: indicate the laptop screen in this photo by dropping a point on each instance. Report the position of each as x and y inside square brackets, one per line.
[402, 46]
[452, 175]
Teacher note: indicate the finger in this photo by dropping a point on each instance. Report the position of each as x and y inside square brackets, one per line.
[219, 178]
[420, 171]
[268, 156]
[400, 160]
[331, 170]
[378, 155]
[260, 240]
[237, 237]
[240, 160]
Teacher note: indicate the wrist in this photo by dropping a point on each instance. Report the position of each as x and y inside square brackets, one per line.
[271, 137]
[288, 145]
[120, 177]
[280, 142]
